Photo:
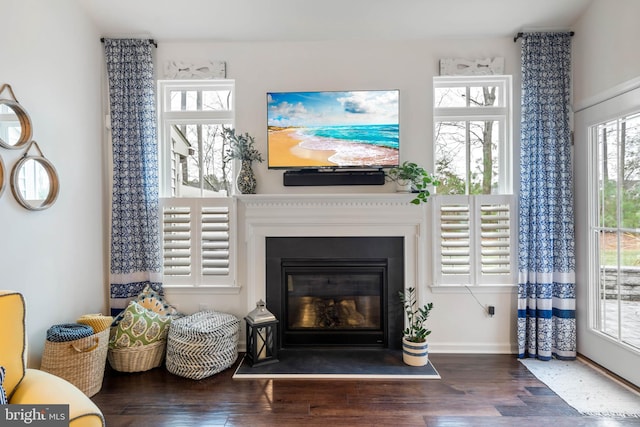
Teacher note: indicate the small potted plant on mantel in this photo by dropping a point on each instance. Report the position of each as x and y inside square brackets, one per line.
[415, 348]
[409, 177]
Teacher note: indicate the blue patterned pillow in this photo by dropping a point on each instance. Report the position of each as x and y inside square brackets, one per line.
[3, 395]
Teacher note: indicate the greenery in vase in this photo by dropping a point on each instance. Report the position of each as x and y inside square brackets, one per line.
[416, 316]
[419, 178]
[241, 147]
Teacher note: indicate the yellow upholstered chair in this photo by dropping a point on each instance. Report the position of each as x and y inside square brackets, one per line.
[30, 386]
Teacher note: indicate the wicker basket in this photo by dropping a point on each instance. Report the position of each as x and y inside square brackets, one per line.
[202, 344]
[137, 359]
[81, 361]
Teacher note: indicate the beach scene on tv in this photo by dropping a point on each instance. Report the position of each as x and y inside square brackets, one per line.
[333, 129]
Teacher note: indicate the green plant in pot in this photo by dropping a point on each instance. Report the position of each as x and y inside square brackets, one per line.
[415, 348]
[409, 177]
[241, 147]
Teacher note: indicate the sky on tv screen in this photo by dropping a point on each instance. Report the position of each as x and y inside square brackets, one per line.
[333, 129]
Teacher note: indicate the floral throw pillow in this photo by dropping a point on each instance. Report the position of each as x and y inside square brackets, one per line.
[3, 395]
[153, 301]
[139, 326]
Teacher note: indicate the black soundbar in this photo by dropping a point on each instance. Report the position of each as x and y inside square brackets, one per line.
[306, 177]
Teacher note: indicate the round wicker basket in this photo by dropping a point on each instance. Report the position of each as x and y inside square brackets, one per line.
[81, 361]
[137, 359]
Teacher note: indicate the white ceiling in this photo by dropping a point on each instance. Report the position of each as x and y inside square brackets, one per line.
[314, 20]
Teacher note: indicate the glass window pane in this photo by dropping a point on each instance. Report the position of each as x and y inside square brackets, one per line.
[483, 173]
[484, 96]
[203, 167]
[451, 157]
[630, 135]
[215, 100]
[607, 174]
[450, 97]
[194, 100]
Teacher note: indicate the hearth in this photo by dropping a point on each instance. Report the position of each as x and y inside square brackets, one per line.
[336, 291]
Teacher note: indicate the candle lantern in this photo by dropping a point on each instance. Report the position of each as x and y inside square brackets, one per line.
[262, 338]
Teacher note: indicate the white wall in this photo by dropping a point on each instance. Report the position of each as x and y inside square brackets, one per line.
[458, 322]
[51, 56]
[605, 48]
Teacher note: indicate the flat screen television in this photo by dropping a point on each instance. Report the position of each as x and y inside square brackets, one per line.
[330, 129]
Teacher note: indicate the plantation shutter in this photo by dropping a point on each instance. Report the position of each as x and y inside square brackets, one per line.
[215, 241]
[196, 240]
[474, 240]
[454, 252]
[176, 239]
[495, 226]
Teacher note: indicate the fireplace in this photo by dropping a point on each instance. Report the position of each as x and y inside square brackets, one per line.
[336, 291]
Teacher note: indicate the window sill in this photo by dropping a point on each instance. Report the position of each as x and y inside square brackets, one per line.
[480, 289]
[203, 290]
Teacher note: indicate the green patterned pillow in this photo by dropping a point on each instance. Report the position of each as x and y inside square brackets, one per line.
[139, 326]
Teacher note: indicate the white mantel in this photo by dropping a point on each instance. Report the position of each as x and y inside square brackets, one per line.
[325, 215]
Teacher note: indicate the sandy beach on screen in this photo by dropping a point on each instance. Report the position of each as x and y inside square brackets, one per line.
[286, 150]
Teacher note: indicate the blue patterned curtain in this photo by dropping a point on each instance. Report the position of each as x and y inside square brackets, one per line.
[135, 246]
[546, 282]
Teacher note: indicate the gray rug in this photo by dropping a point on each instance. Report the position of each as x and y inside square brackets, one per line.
[586, 389]
[337, 364]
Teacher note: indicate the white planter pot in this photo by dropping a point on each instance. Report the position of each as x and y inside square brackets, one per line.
[415, 353]
[403, 186]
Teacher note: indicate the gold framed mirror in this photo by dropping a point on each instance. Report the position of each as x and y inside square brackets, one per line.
[34, 181]
[3, 182]
[15, 123]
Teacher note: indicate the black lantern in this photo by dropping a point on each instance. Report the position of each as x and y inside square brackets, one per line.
[262, 336]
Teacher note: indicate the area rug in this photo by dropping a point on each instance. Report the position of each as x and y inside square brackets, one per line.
[585, 388]
[337, 364]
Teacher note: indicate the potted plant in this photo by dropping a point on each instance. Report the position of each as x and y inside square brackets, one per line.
[409, 177]
[415, 348]
[241, 147]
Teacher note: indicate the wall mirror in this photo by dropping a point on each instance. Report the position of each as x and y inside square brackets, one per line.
[2, 175]
[34, 181]
[15, 124]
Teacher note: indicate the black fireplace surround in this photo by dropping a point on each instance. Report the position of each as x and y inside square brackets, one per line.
[336, 291]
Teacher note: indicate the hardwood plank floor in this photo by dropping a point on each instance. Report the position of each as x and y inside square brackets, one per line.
[475, 390]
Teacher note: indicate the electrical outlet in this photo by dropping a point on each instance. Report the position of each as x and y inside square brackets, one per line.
[491, 310]
[203, 307]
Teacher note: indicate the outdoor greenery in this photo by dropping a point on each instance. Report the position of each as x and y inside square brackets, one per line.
[416, 316]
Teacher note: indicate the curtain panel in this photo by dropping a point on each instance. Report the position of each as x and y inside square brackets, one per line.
[135, 244]
[546, 264]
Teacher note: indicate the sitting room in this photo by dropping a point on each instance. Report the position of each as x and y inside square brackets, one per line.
[231, 176]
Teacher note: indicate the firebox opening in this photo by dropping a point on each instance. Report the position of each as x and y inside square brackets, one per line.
[336, 291]
[334, 302]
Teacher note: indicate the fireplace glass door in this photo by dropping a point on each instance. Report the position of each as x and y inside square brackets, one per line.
[334, 303]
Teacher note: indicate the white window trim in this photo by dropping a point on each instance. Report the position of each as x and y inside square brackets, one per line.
[195, 282]
[168, 118]
[502, 114]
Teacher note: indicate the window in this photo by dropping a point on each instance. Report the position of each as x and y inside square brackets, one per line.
[617, 226]
[474, 207]
[198, 217]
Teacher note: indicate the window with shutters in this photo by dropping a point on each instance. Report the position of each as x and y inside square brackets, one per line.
[197, 214]
[474, 210]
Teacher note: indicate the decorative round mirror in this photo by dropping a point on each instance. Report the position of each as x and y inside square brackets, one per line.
[3, 182]
[15, 124]
[34, 182]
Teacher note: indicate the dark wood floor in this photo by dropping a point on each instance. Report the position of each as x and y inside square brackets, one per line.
[475, 390]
